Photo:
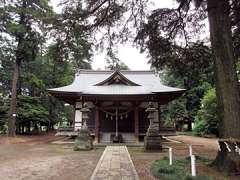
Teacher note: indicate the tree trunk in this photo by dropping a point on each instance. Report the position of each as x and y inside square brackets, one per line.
[227, 89]
[12, 114]
[17, 66]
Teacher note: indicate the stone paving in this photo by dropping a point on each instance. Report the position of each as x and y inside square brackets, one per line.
[115, 164]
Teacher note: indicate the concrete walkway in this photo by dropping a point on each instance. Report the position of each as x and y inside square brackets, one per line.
[115, 164]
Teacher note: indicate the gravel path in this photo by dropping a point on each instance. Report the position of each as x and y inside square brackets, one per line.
[210, 143]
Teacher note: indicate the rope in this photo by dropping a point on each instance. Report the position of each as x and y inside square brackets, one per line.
[114, 114]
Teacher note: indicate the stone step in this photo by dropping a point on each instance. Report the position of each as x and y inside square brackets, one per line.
[127, 137]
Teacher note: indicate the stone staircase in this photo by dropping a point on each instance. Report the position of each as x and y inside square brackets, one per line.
[105, 138]
[127, 137]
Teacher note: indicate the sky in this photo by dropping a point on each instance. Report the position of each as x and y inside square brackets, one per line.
[128, 54]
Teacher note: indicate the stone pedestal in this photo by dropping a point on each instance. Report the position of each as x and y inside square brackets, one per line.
[83, 141]
[152, 140]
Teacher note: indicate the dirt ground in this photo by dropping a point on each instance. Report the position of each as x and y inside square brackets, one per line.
[37, 158]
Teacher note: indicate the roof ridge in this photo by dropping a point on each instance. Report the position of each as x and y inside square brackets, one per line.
[90, 71]
[114, 75]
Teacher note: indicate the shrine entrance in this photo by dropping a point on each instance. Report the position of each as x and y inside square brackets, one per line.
[117, 124]
[123, 122]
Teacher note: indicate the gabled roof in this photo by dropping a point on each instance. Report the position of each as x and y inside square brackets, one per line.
[90, 82]
[117, 78]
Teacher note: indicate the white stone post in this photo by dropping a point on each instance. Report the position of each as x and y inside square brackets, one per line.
[190, 150]
[193, 165]
[170, 156]
[78, 117]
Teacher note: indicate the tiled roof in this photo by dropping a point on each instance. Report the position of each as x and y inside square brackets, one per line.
[86, 82]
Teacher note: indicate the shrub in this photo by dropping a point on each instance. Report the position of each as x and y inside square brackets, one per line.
[206, 119]
[162, 170]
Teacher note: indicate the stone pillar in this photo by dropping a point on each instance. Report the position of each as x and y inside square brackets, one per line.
[136, 123]
[152, 140]
[78, 116]
[97, 124]
[84, 140]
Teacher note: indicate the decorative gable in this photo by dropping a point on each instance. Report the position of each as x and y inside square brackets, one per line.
[117, 78]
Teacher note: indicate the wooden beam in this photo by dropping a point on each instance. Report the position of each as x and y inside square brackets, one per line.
[97, 124]
[136, 122]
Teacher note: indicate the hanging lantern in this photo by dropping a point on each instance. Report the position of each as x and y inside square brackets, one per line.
[106, 115]
[126, 115]
[121, 117]
[111, 118]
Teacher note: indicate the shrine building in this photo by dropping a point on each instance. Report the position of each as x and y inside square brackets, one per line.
[117, 101]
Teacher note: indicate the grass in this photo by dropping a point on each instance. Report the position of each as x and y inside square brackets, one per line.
[161, 169]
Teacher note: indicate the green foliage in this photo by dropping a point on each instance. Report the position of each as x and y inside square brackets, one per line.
[189, 68]
[3, 116]
[24, 22]
[162, 170]
[71, 36]
[187, 106]
[206, 119]
[116, 64]
[31, 109]
[203, 159]
[23, 39]
[174, 110]
[199, 127]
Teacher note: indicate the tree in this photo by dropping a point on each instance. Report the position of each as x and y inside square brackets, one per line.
[227, 88]
[19, 20]
[190, 68]
[72, 36]
[113, 62]
[42, 65]
[174, 23]
[31, 112]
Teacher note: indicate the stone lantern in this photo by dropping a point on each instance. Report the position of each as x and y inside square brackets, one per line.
[152, 140]
[85, 110]
[84, 140]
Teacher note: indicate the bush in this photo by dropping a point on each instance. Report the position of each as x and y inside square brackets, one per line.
[206, 119]
[199, 127]
[162, 170]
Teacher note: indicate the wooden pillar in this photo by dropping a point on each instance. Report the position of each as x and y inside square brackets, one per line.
[136, 122]
[72, 121]
[97, 124]
[159, 118]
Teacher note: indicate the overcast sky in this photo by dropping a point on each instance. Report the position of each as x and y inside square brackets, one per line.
[126, 53]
